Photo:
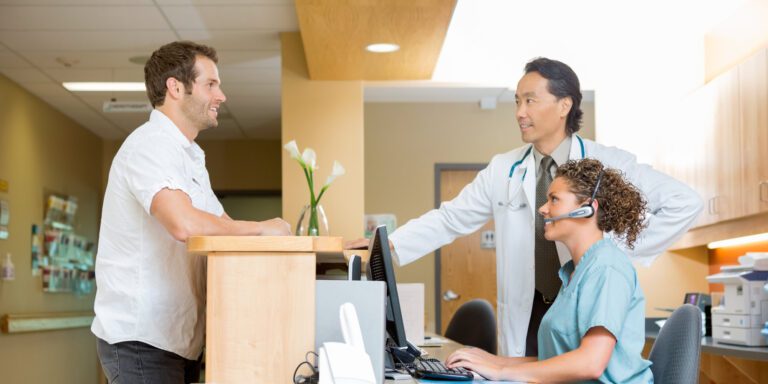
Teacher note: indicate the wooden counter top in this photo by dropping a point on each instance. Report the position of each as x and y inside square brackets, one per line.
[206, 244]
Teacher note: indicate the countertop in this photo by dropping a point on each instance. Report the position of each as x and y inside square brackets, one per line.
[708, 345]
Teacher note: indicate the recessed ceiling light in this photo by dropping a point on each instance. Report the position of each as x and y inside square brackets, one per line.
[382, 48]
[105, 87]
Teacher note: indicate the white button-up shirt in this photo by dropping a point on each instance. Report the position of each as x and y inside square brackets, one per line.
[148, 288]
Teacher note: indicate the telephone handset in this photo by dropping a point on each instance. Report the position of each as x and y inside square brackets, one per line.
[347, 362]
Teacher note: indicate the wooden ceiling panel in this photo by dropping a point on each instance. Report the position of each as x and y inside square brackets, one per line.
[335, 34]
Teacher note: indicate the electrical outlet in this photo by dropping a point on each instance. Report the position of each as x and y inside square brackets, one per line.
[488, 240]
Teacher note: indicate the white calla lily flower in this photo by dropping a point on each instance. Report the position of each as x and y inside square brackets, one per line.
[338, 170]
[309, 158]
[293, 149]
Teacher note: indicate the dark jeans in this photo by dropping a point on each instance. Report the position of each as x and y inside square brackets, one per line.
[133, 362]
[537, 313]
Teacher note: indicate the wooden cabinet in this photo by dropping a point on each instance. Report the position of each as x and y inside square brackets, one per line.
[687, 154]
[726, 204]
[720, 147]
[753, 95]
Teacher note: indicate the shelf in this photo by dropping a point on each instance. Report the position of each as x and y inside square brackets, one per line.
[18, 323]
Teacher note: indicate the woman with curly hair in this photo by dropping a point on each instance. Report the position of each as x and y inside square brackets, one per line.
[595, 329]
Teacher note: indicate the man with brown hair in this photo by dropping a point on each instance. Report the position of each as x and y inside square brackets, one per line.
[150, 298]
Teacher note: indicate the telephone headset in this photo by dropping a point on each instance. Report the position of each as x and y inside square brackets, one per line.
[585, 210]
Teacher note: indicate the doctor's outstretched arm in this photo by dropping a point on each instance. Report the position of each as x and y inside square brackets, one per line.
[463, 215]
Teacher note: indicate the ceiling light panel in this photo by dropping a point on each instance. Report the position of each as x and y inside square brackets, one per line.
[104, 86]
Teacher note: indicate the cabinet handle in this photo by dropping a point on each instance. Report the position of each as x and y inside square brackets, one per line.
[713, 206]
[762, 186]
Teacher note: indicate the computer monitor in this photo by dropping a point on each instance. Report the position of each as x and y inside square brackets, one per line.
[380, 269]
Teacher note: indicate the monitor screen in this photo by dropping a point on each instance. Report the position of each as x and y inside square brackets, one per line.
[380, 269]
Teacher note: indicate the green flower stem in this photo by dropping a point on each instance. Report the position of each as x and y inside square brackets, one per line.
[322, 191]
[313, 229]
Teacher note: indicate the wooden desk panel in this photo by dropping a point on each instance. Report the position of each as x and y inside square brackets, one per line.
[260, 304]
[261, 316]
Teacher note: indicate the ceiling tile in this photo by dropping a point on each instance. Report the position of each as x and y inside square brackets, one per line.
[233, 39]
[86, 59]
[47, 89]
[79, 2]
[269, 91]
[46, 42]
[250, 17]
[256, 103]
[81, 18]
[9, 59]
[250, 59]
[78, 74]
[75, 74]
[25, 75]
[143, 41]
[249, 75]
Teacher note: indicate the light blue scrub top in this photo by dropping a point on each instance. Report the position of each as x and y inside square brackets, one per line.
[603, 291]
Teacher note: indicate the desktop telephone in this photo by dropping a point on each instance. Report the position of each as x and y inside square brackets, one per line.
[346, 363]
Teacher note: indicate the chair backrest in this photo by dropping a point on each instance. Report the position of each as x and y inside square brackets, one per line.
[676, 353]
[474, 324]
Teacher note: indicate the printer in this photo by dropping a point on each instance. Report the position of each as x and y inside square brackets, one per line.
[744, 310]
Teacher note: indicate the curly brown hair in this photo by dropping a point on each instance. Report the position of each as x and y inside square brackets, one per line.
[621, 205]
[177, 60]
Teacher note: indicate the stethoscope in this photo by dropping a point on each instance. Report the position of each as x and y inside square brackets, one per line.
[512, 192]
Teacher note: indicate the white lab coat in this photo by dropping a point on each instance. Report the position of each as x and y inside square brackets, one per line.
[672, 206]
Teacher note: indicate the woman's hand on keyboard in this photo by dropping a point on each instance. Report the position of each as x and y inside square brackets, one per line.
[475, 359]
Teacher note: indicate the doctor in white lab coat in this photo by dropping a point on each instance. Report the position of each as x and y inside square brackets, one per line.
[548, 100]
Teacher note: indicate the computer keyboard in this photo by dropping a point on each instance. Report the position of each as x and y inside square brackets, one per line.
[433, 369]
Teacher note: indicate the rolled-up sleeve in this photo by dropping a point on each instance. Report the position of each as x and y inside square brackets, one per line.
[157, 165]
[604, 299]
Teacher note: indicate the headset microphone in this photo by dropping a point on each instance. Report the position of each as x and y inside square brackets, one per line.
[583, 212]
[579, 213]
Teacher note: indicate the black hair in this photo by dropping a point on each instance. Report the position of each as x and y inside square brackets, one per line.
[561, 82]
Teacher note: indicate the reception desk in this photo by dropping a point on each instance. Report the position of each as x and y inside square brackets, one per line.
[260, 304]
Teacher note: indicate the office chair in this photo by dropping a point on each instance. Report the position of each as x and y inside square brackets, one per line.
[474, 323]
[676, 353]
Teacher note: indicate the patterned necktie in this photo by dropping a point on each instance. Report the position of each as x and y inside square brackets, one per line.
[547, 262]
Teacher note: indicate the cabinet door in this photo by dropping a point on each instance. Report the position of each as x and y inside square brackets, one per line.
[727, 203]
[699, 145]
[753, 90]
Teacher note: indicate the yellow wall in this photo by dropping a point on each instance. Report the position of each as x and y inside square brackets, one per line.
[244, 165]
[736, 38]
[403, 141]
[328, 117]
[233, 165]
[666, 281]
[43, 150]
